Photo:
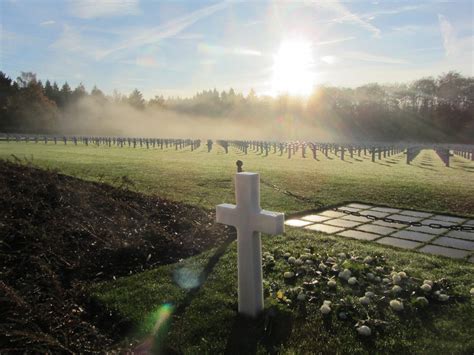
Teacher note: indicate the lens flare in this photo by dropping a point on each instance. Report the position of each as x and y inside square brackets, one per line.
[159, 322]
[188, 277]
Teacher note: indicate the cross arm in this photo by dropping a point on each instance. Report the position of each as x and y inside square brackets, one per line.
[226, 214]
[270, 222]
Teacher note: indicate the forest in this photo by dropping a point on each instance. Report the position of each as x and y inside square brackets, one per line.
[430, 109]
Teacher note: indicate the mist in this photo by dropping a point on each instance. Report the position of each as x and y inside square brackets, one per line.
[427, 110]
[89, 116]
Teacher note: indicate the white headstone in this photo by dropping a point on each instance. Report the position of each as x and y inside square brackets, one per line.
[249, 220]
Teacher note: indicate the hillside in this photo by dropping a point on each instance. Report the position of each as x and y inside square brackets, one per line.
[59, 234]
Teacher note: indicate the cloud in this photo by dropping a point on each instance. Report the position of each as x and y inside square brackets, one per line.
[345, 15]
[72, 40]
[220, 50]
[244, 51]
[454, 46]
[428, 49]
[167, 30]
[98, 47]
[47, 23]
[329, 59]
[88, 9]
[252, 23]
[394, 11]
[143, 61]
[408, 29]
[190, 36]
[6, 35]
[333, 41]
[367, 57]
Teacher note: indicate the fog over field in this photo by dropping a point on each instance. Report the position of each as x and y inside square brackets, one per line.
[87, 117]
[429, 109]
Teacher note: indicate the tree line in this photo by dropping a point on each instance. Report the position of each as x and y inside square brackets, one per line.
[429, 109]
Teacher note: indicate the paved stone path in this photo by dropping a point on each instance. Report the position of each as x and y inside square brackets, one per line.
[452, 244]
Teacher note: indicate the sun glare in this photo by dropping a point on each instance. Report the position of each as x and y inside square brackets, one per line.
[292, 68]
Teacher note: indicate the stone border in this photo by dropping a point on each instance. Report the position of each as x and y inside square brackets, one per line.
[444, 242]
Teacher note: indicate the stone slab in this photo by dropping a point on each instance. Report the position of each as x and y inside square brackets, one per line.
[342, 223]
[454, 243]
[373, 228]
[332, 214]
[296, 223]
[401, 243]
[461, 235]
[349, 209]
[356, 218]
[427, 230]
[449, 252]
[401, 217]
[388, 224]
[470, 222]
[416, 214]
[359, 235]
[443, 223]
[416, 236]
[359, 205]
[374, 213]
[448, 218]
[324, 228]
[315, 218]
[385, 209]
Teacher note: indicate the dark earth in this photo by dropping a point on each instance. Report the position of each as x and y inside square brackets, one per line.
[60, 234]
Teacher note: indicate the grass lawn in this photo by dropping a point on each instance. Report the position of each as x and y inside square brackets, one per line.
[205, 179]
[205, 319]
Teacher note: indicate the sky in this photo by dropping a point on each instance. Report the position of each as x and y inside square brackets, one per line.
[176, 48]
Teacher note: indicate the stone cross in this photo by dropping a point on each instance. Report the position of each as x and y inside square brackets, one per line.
[249, 220]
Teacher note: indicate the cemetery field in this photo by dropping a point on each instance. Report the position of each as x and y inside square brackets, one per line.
[196, 298]
[205, 179]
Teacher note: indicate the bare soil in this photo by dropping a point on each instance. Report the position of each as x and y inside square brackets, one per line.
[59, 234]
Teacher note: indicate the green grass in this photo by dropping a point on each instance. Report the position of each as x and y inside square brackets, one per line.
[208, 321]
[205, 320]
[205, 179]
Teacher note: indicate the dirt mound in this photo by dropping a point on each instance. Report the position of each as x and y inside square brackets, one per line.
[59, 233]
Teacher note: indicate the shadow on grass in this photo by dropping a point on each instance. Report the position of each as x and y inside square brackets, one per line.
[426, 164]
[463, 168]
[382, 164]
[270, 330]
[421, 167]
[213, 260]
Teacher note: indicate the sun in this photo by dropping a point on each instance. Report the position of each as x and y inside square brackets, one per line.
[292, 68]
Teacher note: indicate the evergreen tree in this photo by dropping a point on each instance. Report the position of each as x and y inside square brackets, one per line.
[78, 93]
[48, 90]
[157, 102]
[136, 100]
[65, 95]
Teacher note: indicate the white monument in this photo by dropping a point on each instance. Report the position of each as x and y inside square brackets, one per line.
[249, 220]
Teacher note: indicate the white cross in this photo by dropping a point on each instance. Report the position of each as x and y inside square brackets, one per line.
[249, 220]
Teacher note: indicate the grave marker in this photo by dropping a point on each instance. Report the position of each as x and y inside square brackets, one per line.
[249, 220]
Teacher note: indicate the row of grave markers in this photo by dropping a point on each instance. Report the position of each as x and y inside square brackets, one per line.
[292, 148]
[161, 143]
[376, 151]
